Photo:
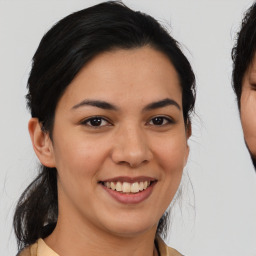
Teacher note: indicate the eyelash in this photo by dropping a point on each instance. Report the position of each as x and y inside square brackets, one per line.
[99, 119]
[164, 119]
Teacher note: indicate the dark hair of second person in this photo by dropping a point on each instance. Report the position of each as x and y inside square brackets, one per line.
[244, 77]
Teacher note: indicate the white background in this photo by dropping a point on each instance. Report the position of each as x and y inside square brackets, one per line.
[215, 217]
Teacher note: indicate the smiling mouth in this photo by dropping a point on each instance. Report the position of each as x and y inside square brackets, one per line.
[128, 187]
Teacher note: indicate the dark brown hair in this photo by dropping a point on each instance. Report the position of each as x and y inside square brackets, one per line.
[244, 50]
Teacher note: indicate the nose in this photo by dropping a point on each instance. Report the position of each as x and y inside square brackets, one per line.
[131, 148]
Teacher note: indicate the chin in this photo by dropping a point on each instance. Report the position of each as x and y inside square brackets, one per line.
[131, 229]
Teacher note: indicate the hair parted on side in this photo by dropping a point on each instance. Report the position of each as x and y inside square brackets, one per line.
[69, 45]
[244, 50]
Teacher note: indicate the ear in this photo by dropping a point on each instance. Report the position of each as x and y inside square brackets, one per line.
[42, 143]
[188, 134]
[188, 129]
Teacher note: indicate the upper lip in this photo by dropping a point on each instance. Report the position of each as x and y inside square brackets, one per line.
[129, 179]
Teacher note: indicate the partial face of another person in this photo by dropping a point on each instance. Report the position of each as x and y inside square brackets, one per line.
[119, 142]
[248, 107]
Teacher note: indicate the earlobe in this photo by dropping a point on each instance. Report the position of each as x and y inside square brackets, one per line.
[188, 129]
[188, 134]
[42, 143]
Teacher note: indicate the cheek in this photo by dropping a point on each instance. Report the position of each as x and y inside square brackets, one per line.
[78, 163]
[172, 154]
[78, 158]
[248, 119]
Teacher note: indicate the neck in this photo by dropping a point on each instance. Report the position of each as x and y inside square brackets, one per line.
[73, 238]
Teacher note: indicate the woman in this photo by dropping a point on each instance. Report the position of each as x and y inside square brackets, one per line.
[110, 95]
[244, 78]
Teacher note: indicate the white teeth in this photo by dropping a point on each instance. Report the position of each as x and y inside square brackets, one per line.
[126, 187]
[141, 186]
[118, 186]
[112, 185]
[135, 188]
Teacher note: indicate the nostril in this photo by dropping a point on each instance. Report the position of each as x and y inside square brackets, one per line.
[130, 164]
[131, 151]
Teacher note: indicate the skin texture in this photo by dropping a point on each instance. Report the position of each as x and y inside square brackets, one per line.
[127, 143]
[248, 108]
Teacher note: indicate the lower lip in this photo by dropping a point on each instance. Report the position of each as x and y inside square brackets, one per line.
[131, 198]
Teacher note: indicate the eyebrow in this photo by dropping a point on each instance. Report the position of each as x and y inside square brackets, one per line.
[105, 105]
[96, 103]
[161, 104]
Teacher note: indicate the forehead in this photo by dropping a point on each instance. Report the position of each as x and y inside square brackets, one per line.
[136, 74]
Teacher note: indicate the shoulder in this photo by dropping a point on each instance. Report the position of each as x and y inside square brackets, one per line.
[29, 251]
[40, 248]
[173, 252]
[166, 250]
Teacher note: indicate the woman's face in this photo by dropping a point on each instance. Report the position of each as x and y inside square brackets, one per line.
[119, 142]
[248, 107]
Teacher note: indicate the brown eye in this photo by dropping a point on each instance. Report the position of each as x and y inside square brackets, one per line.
[160, 120]
[96, 122]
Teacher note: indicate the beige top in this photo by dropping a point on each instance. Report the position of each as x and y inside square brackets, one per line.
[40, 248]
